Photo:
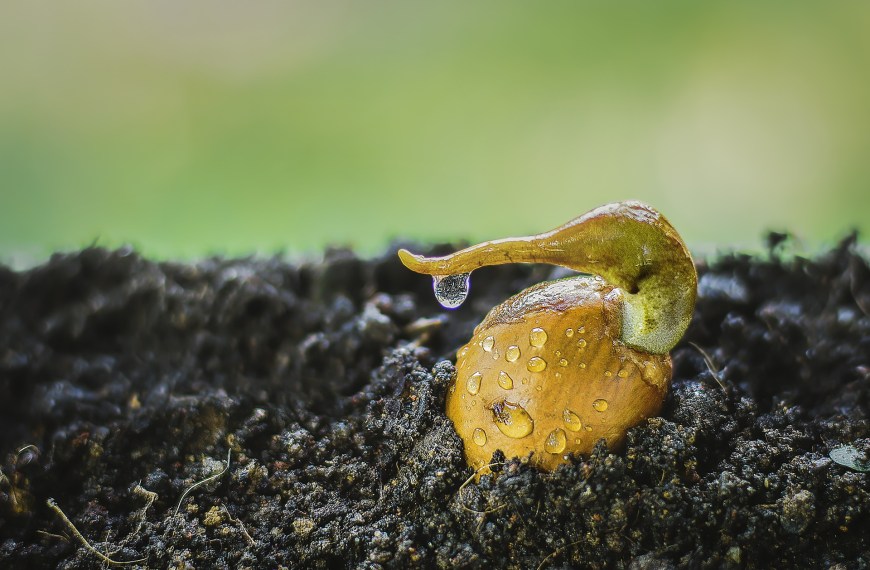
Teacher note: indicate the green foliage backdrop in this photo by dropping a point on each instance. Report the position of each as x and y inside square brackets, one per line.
[189, 128]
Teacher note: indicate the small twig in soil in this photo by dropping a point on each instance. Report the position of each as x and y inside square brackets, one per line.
[62, 537]
[52, 504]
[556, 552]
[28, 446]
[710, 366]
[203, 482]
[469, 480]
[150, 497]
[240, 524]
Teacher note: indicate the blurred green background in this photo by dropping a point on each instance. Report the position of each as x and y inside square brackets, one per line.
[191, 128]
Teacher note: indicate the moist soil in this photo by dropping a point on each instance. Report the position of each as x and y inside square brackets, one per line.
[126, 385]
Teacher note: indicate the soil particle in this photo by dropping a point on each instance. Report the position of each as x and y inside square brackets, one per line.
[324, 383]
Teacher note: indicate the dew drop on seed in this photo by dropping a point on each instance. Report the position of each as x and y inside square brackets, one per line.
[600, 405]
[505, 381]
[608, 373]
[581, 330]
[536, 364]
[569, 332]
[582, 365]
[512, 419]
[537, 337]
[512, 353]
[473, 383]
[495, 354]
[451, 290]
[488, 343]
[556, 441]
[581, 343]
[479, 437]
[572, 420]
[563, 362]
[622, 373]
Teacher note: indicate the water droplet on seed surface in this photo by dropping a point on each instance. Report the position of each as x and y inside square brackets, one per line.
[487, 343]
[572, 420]
[600, 405]
[563, 362]
[512, 419]
[479, 437]
[556, 441]
[537, 337]
[512, 353]
[536, 364]
[451, 290]
[569, 332]
[505, 381]
[473, 383]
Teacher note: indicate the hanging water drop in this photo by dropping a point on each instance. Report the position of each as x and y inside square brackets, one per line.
[451, 290]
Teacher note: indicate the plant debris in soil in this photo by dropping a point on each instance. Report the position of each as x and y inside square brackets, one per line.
[250, 413]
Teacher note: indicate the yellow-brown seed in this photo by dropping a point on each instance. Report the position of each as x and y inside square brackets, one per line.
[596, 386]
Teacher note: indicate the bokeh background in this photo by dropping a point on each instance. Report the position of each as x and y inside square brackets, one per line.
[193, 128]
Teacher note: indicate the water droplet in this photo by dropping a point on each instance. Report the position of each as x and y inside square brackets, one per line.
[556, 441]
[572, 420]
[536, 364]
[479, 437]
[622, 373]
[525, 381]
[581, 330]
[512, 419]
[451, 290]
[563, 362]
[512, 353]
[462, 352]
[473, 383]
[505, 381]
[588, 428]
[495, 354]
[608, 373]
[487, 343]
[600, 405]
[581, 343]
[569, 332]
[537, 337]
[582, 365]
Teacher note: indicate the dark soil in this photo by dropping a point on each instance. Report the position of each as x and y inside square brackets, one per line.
[123, 382]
